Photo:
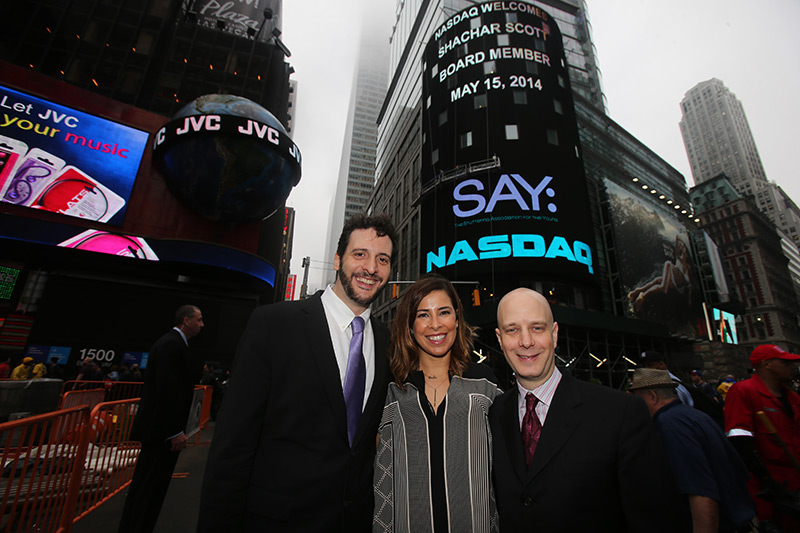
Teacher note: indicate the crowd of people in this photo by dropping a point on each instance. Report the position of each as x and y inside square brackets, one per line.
[86, 370]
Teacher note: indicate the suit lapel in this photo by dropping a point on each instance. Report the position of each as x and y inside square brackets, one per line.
[558, 426]
[512, 434]
[377, 395]
[318, 335]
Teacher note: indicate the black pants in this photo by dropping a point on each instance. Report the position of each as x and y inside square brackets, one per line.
[147, 490]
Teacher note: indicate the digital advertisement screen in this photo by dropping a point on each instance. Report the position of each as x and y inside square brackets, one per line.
[8, 280]
[656, 266]
[135, 247]
[725, 326]
[58, 159]
[503, 185]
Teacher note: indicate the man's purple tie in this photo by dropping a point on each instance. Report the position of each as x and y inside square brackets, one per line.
[355, 379]
[531, 427]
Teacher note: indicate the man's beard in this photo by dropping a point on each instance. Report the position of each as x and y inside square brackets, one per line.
[349, 290]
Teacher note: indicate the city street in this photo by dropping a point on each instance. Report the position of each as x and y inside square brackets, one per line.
[179, 514]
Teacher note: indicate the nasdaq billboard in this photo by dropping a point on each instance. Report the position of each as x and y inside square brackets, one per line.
[503, 184]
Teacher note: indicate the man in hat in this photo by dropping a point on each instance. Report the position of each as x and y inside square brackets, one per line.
[654, 359]
[751, 407]
[23, 371]
[706, 467]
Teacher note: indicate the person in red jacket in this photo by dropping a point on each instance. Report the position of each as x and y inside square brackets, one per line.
[771, 458]
[5, 368]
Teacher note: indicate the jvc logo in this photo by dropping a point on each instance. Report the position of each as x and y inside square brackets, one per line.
[510, 187]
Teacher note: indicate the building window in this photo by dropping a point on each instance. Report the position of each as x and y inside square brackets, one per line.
[552, 137]
[465, 139]
[502, 40]
[442, 117]
[558, 107]
[512, 134]
[480, 101]
[520, 97]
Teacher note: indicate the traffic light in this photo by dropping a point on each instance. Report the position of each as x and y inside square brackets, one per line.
[476, 298]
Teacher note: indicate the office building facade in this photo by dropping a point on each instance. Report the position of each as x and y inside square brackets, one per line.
[718, 141]
[357, 167]
[754, 262]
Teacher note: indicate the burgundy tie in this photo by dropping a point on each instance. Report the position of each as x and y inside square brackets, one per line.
[531, 427]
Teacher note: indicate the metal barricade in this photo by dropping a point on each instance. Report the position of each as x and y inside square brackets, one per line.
[110, 455]
[41, 456]
[90, 398]
[60, 466]
[205, 412]
[114, 390]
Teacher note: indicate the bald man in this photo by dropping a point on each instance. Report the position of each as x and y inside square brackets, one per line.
[572, 456]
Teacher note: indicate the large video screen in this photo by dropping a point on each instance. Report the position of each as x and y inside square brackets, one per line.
[503, 185]
[58, 159]
[656, 266]
[725, 326]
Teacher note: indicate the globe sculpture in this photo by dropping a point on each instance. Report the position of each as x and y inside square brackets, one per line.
[227, 159]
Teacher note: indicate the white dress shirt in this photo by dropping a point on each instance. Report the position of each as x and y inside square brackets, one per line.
[339, 318]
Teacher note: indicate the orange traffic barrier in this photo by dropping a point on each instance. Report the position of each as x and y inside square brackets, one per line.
[74, 398]
[113, 390]
[205, 409]
[39, 466]
[110, 455]
[60, 466]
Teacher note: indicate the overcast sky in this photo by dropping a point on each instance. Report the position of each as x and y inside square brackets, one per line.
[650, 53]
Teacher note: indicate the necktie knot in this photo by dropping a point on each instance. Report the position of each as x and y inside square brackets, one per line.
[357, 325]
[530, 401]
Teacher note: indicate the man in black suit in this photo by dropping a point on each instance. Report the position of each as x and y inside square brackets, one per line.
[572, 456]
[160, 420]
[284, 457]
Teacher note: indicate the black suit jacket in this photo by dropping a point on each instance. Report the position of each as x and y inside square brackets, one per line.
[167, 391]
[280, 458]
[598, 466]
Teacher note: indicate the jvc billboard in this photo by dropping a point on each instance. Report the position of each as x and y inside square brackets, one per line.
[58, 159]
[503, 185]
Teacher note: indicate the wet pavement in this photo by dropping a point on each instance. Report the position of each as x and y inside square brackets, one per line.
[181, 506]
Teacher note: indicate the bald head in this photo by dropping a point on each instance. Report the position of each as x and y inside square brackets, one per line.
[519, 296]
[527, 335]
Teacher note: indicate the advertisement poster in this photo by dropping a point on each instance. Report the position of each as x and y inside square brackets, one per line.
[657, 269]
[54, 158]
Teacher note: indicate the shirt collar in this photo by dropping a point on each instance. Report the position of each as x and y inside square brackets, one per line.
[545, 391]
[185, 340]
[339, 310]
[667, 407]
